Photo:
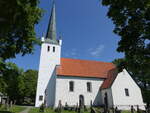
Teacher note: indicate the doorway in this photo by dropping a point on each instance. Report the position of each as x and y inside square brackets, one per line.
[106, 100]
[81, 101]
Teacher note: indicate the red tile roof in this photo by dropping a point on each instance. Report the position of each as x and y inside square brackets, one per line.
[111, 76]
[83, 68]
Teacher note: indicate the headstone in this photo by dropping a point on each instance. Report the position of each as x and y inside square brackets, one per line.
[85, 109]
[66, 105]
[113, 110]
[42, 107]
[132, 109]
[92, 110]
[138, 110]
[3, 101]
[91, 103]
[10, 104]
[76, 107]
[116, 109]
[7, 104]
[148, 108]
[59, 107]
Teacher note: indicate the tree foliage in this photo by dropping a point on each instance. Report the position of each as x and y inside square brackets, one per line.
[120, 64]
[2, 85]
[132, 23]
[17, 36]
[17, 21]
[9, 80]
[27, 85]
[17, 84]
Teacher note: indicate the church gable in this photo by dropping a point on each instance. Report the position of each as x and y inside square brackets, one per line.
[127, 90]
[124, 78]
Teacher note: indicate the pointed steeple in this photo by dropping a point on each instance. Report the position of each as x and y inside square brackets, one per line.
[51, 36]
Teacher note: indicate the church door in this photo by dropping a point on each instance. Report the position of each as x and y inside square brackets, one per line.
[81, 101]
[106, 100]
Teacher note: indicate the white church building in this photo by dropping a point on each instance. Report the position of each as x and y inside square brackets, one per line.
[74, 81]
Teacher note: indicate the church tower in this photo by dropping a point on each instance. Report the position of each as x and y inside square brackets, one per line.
[49, 59]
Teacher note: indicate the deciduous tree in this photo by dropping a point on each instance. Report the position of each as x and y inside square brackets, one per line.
[17, 21]
[30, 82]
[132, 23]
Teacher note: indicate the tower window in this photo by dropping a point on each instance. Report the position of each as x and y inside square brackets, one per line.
[71, 86]
[48, 48]
[126, 92]
[40, 97]
[53, 49]
[89, 87]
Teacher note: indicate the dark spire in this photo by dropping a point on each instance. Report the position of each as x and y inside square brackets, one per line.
[51, 32]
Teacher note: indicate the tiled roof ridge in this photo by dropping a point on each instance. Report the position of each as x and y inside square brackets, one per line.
[87, 60]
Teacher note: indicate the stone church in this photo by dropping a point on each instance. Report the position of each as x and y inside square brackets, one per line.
[75, 81]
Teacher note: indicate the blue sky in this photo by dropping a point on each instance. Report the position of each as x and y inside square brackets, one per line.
[85, 29]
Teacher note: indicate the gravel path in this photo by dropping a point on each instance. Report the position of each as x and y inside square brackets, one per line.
[26, 110]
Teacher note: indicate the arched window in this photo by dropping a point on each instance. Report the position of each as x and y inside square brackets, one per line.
[89, 87]
[48, 48]
[71, 86]
[53, 49]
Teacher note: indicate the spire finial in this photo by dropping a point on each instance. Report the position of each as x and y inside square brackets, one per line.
[51, 36]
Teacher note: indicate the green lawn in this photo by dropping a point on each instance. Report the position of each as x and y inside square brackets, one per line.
[128, 112]
[36, 110]
[49, 110]
[14, 109]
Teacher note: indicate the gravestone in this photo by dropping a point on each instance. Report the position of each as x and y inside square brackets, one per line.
[59, 107]
[138, 110]
[42, 107]
[132, 109]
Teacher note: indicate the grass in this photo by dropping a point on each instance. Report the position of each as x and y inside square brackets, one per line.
[36, 110]
[13, 109]
[65, 111]
[17, 109]
[125, 111]
[49, 110]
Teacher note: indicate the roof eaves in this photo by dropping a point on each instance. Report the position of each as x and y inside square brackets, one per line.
[82, 76]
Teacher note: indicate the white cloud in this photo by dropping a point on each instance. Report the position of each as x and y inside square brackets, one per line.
[96, 52]
[72, 53]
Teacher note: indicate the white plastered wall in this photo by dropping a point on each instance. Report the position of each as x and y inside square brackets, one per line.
[80, 88]
[109, 96]
[46, 75]
[122, 81]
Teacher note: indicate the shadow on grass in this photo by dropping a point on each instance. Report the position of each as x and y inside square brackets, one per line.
[5, 112]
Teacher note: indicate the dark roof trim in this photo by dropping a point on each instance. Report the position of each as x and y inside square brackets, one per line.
[80, 76]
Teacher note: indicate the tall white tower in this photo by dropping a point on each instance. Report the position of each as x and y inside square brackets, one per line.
[49, 59]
